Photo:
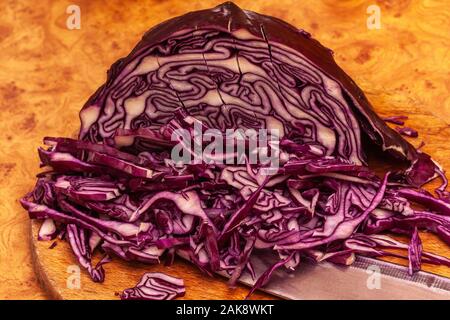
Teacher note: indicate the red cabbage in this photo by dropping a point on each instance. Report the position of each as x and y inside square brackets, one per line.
[247, 66]
[116, 189]
[406, 131]
[77, 240]
[396, 119]
[415, 253]
[48, 230]
[155, 286]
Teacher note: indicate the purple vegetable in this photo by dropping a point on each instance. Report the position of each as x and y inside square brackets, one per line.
[54, 244]
[415, 253]
[117, 190]
[77, 240]
[264, 278]
[48, 230]
[406, 131]
[396, 119]
[203, 59]
[426, 199]
[344, 229]
[87, 189]
[155, 286]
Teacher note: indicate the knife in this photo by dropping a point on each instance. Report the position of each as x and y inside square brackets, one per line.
[365, 279]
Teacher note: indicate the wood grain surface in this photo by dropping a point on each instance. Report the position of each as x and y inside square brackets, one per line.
[47, 72]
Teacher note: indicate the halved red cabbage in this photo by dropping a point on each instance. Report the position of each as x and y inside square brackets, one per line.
[232, 68]
[116, 190]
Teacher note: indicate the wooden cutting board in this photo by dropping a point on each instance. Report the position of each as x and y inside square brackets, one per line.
[56, 270]
[48, 72]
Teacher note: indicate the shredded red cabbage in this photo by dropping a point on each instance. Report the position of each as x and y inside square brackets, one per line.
[406, 131]
[415, 253]
[155, 286]
[399, 120]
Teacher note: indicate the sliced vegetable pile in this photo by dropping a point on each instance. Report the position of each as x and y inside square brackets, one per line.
[116, 189]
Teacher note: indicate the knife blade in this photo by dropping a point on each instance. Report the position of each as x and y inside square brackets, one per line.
[365, 279]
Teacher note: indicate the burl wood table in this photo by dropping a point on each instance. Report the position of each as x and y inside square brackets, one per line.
[47, 73]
